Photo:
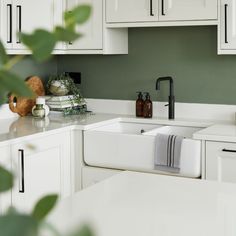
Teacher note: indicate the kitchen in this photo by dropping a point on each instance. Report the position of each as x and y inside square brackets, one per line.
[183, 45]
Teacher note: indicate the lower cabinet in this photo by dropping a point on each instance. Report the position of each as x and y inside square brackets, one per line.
[221, 161]
[41, 166]
[5, 161]
[93, 175]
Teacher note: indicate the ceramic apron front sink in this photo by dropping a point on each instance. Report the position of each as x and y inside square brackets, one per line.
[131, 146]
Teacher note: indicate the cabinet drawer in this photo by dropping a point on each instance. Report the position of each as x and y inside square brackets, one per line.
[92, 175]
[221, 161]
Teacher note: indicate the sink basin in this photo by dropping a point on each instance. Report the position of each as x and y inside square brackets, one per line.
[127, 127]
[131, 146]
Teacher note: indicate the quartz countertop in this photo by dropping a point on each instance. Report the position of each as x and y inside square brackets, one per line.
[14, 128]
[18, 127]
[144, 204]
[218, 132]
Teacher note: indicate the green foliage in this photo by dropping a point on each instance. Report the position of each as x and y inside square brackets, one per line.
[6, 180]
[41, 43]
[3, 55]
[78, 15]
[84, 231]
[44, 206]
[18, 224]
[65, 34]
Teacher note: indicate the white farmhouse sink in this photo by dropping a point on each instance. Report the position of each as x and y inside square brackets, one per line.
[131, 146]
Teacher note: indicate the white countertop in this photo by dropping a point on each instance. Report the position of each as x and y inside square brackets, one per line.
[14, 128]
[218, 132]
[142, 204]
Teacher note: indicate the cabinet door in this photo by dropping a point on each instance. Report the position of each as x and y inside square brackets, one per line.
[221, 161]
[92, 29]
[42, 166]
[227, 27]
[6, 23]
[29, 15]
[131, 10]
[92, 175]
[174, 10]
[5, 161]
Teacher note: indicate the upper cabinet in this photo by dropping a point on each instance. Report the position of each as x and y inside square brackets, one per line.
[92, 29]
[131, 11]
[175, 10]
[227, 27]
[24, 16]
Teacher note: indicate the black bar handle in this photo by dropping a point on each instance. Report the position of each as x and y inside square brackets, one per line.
[151, 8]
[22, 170]
[163, 7]
[228, 150]
[226, 23]
[18, 7]
[9, 6]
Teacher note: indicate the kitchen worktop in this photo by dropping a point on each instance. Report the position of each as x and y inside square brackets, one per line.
[218, 132]
[14, 128]
[143, 204]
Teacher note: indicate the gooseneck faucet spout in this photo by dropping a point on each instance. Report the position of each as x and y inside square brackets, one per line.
[171, 103]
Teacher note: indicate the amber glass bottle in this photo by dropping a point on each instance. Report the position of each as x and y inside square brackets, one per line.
[147, 107]
[139, 105]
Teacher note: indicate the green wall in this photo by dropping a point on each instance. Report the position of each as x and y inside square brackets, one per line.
[28, 67]
[189, 54]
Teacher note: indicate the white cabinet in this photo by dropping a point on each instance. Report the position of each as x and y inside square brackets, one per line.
[92, 29]
[5, 161]
[131, 10]
[175, 10]
[41, 166]
[227, 27]
[93, 175]
[24, 16]
[221, 161]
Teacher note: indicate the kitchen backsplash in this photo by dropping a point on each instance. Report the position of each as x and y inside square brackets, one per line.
[186, 53]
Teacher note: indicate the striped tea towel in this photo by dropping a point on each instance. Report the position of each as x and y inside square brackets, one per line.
[167, 153]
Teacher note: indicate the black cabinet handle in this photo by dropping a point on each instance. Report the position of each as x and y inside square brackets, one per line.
[9, 20]
[21, 171]
[228, 150]
[163, 7]
[226, 23]
[18, 10]
[151, 8]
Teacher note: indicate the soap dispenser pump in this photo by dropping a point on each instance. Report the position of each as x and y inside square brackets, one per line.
[139, 105]
[147, 107]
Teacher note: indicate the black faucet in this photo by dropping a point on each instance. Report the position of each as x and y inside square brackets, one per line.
[171, 95]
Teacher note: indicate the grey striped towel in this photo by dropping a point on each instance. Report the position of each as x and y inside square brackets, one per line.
[167, 153]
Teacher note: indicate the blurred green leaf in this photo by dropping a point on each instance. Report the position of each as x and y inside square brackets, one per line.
[12, 83]
[41, 43]
[65, 34]
[16, 224]
[77, 15]
[6, 180]
[44, 206]
[3, 55]
[83, 231]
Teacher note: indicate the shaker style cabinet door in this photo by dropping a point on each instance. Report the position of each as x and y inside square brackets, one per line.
[177, 10]
[41, 166]
[227, 27]
[24, 16]
[92, 30]
[5, 162]
[131, 11]
[221, 161]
